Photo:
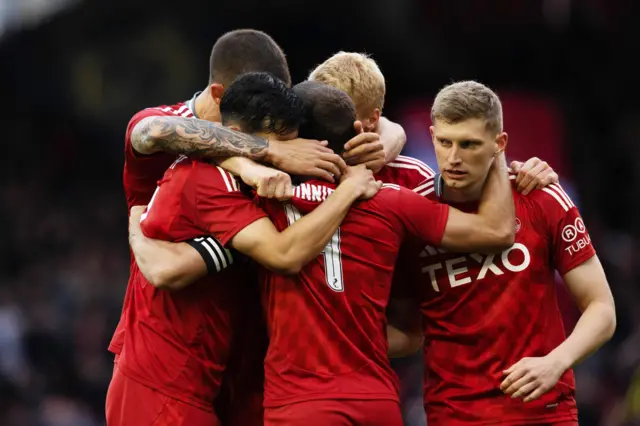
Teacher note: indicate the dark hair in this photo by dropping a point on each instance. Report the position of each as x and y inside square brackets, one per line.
[329, 114]
[242, 51]
[259, 102]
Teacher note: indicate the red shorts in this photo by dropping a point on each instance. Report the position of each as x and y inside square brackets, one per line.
[335, 413]
[131, 404]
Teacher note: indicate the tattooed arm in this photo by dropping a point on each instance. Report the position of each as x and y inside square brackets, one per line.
[201, 138]
[195, 137]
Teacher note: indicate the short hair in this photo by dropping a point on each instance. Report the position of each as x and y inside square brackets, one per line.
[330, 114]
[242, 51]
[465, 100]
[357, 75]
[260, 102]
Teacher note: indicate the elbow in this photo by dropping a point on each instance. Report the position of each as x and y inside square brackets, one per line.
[500, 240]
[506, 237]
[409, 345]
[286, 267]
[283, 263]
[609, 316]
[164, 279]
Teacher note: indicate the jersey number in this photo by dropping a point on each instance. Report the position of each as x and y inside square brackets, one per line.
[331, 253]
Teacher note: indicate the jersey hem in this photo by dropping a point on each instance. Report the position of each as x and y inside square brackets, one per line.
[273, 403]
[187, 399]
[512, 421]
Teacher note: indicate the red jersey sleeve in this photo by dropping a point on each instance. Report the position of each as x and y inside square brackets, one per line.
[569, 239]
[222, 210]
[421, 217]
[142, 172]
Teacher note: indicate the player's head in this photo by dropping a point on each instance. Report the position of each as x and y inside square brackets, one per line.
[242, 51]
[467, 133]
[330, 114]
[261, 104]
[359, 77]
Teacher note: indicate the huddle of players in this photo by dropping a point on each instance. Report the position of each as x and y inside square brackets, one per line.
[326, 361]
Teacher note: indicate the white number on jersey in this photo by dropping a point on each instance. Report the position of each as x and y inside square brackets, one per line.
[331, 253]
[146, 211]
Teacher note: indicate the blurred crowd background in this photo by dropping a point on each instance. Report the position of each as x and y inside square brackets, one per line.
[74, 71]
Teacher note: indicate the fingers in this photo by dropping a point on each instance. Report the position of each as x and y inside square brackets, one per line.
[362, 144]
[262, 189]
[512, 378]
[375, 165]
[537, 393]
[516, 166]
[530, 178]
[522, 380]
[272, 186]
[288, 191]
[546, 178]
[526, 388]
[524, 168]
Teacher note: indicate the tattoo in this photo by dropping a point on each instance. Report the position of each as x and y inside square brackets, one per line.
[194, 137]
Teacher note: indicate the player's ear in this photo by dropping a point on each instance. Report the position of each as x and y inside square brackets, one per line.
[433, 137]
[501, 142]
[370, 123]
[216, 90]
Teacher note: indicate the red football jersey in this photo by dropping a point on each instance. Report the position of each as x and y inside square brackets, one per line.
[178, 342]
[327, 324]
[483, 313]
[407, 172]
[243, 383]
[140, 177]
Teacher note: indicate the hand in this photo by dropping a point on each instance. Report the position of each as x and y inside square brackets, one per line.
[530, 378]
[304, 157]
[365, 148]
[533, 174]
[361, 182]
[268, 182]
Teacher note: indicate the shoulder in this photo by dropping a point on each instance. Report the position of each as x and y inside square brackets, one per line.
[178, 110]
[408, 171]
[410, 163]
[206, 175]
[552, 198]
[427, 188]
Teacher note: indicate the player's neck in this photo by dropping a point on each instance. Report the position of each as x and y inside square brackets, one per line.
[462, 195]
[206, 108]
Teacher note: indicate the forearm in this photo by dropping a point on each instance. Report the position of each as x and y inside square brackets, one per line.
[393, 138]
[302, 241]
[595, 327]
[496, 211]
[194, 137]
[166, 265]
[234, 165]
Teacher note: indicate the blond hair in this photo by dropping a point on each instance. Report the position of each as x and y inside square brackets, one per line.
[356, 74]
[465, 100]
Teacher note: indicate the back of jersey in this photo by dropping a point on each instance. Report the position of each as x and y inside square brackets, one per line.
[327, 325]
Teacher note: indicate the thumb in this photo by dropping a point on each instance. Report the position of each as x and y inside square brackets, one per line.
[516, 166]
[357, 125]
